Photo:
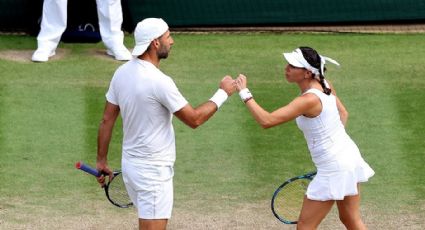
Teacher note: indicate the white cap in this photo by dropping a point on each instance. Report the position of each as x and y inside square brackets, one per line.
[296, 58]
[146, 31]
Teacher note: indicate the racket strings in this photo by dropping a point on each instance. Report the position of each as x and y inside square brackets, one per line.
[288, 202]
[117, 192]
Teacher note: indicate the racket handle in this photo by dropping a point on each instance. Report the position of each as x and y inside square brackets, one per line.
[87, 169]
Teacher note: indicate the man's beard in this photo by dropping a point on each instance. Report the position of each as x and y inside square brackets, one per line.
[163, 52]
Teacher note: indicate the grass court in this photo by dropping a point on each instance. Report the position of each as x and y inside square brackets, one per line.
[226, 170]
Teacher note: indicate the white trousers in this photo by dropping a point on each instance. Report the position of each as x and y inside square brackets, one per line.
[53, 23]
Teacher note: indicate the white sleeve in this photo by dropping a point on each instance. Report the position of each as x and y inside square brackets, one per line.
[111, 94]
[169, 95]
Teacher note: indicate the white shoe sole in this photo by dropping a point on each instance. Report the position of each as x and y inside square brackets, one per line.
[119, 57]
[41, 58]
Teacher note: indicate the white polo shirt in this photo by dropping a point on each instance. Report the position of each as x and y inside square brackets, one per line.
[147, 99]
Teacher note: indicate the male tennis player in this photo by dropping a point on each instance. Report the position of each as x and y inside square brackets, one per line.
[147, 99]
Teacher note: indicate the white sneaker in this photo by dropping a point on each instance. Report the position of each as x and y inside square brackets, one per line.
[41, 55]
[120, 53]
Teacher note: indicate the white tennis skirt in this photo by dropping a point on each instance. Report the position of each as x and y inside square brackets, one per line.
[338, 179]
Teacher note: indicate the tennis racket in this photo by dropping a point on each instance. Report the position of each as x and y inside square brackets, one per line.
[114, 190]
[288, 199]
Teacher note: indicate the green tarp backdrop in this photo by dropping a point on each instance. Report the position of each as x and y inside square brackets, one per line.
[23, 15]
[185, 13]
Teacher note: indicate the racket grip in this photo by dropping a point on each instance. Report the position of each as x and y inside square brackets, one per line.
[80, 165]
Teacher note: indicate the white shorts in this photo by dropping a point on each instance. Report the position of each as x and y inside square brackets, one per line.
[150, 188]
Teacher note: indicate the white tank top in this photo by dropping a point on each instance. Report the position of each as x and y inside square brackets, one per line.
[325, 134]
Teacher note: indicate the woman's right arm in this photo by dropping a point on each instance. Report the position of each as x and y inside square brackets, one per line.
[304, 104]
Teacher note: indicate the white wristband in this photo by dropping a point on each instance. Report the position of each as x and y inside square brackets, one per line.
[245, 95]
[219, 97]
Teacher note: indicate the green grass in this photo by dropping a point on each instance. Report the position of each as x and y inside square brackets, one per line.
[49, 114]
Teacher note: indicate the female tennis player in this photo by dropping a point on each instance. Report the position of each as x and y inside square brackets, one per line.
[322, 117]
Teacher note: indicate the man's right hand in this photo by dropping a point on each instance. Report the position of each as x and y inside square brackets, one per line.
[102, 166]
[227, 84]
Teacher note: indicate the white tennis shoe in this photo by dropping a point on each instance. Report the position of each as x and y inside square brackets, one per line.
[120, 53]
[42, 55]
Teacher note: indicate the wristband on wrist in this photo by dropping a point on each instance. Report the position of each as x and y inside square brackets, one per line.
[219, 97]
[245, 95]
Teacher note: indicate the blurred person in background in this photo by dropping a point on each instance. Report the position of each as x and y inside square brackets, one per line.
[54, 22]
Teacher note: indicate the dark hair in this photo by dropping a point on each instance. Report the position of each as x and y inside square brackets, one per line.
[313, 58]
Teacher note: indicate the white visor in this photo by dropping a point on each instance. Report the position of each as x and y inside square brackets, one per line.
[297, 59]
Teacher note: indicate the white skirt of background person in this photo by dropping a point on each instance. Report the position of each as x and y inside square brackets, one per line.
[54, 19]
[150, 188]
[340, 166]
